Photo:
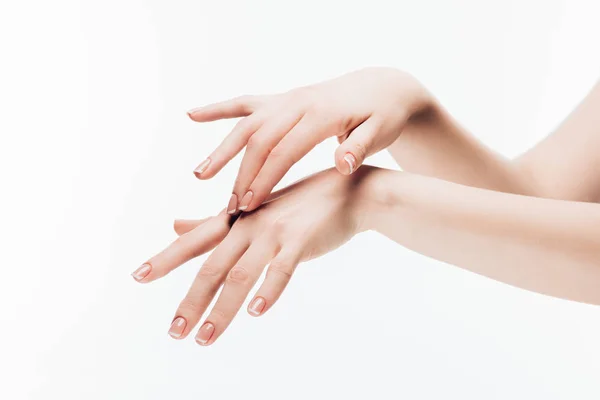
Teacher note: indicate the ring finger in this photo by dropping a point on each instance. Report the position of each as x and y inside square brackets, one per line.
[240, 280]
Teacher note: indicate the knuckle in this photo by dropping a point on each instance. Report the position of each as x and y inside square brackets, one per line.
[278, 152]
[278, 225]
[209, 271]
[189, 307]
[219, 314]
[258, 143]
[237, 275]
[281, 268]
[243, 125]
[360, 150]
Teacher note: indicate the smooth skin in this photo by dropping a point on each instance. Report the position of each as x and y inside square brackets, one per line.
[366, 110]
[548, 246]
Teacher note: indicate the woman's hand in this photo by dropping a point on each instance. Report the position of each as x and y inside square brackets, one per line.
[366, 110]
[281, 234]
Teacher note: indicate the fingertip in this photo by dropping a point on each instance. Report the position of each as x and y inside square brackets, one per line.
[341, 166]
[257, 306]
[247, 200]
[192, 113]
[141, 274]
[201, 170]
[345, 163]
[351, 163]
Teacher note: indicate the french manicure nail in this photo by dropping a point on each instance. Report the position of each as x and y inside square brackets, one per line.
[232, 206]
[177, 327]
[257, 306]
[141, 272]
[193, 110]
[205, 333]
[351, 160]
[246, 200]
[201, 167]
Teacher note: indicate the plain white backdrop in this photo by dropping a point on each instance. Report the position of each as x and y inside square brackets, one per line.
[96, 160]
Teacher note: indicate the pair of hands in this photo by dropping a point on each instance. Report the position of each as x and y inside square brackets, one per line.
[366, 110]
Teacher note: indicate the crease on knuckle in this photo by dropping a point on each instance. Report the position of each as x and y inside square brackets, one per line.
[209, 271]
[279, 152]
[189, 306]
[243, 125]
[216, 312]
[278, 225]
[237, 275]
[259, 144]
[281, 269]
[360, 150]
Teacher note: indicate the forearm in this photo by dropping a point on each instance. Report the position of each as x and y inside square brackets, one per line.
[563, 166]
[434, 144]
[543, 245]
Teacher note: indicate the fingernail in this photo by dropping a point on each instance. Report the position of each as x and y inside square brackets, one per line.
[201, 168]
[257, 306]
[142, 272]
[205, 333]
[193, 110]
[351, 160]
[246, 200]
[177, 327]
[232, 206]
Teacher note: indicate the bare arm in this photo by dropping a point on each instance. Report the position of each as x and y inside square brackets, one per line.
[563, 166]
[377, 108]
[566, 165]
[544, 245]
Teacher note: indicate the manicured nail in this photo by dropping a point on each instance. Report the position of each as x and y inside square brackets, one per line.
[193, 110]
[177, 327]
[141, 272]
[349, 158]
[257, 306]
[201, 168]
[246, 200]
[205, 333]
[232, 206]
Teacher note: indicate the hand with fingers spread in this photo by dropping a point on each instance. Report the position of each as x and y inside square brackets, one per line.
[280, 234]
[366, 110]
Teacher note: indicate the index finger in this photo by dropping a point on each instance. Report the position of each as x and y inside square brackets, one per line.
[241, 106]
[307, 133]
[192, 244]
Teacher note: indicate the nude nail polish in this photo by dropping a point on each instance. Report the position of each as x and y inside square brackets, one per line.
[142, 272]
[232, 206]
[201, 168]
[246, 200]
[177, 327]
[351, 161]
[193, 110]
[205, 333]
[257, 306]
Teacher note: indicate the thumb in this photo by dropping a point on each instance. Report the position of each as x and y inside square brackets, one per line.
[351, 153]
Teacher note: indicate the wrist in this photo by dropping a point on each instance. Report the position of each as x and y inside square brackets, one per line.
[375, 197]
[412, 96]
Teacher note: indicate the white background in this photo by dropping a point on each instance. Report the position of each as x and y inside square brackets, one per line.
[96, 160]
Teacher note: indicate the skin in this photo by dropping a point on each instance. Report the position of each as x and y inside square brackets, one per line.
[366, 110]
[537, 213]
